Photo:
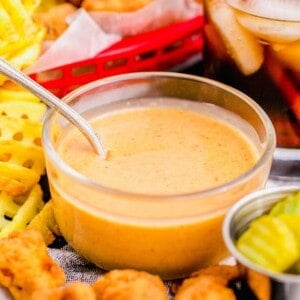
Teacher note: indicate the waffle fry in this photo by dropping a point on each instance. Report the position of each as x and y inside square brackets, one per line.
[16, 213]
[16, 180]
[20, 130]
[26, 156]
[21, 159]
[45, 223]
[11, 92]
[23, 110]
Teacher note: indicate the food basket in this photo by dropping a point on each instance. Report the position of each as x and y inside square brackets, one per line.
[161, 49]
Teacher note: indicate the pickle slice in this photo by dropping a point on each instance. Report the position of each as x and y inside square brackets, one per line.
[292, 221]
[269, 243]
[288, 205]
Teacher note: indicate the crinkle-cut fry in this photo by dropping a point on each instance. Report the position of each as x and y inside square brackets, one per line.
[18, 109]
[45, 223]
[26, 266]
[18, 14]
[245, 49]
[33, 203]
[27, 156]
[16, 180]
[20, 130]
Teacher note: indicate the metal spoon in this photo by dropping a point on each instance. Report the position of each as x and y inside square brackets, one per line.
[54, 102]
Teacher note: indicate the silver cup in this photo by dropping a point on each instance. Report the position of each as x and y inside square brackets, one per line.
[283, 286]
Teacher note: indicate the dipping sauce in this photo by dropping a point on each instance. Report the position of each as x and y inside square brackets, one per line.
[174, 167]
[161, 150]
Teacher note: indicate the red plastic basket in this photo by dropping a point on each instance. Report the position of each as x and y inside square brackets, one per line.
[161, 49]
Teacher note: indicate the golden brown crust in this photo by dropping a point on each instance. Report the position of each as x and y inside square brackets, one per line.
[25, 265]
[226, 272]
[205, 287]
[129, 284]
[55, 19]
[72, 291]
[212, 283]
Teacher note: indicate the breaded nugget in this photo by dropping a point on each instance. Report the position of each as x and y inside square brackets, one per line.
[55, 19]
[130, 284]
[227, 272]
[72, 291]
[25, 265]
[213, 283]
[205, 287]
[114, 5]
[209, 283]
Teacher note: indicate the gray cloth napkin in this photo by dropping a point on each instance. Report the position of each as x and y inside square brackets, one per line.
[78, 269]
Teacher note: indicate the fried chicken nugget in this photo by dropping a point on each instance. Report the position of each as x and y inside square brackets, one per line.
[25, 265]
[225, 271]
[55, 19]
[129, 284]
[204, 287]
[72, 291]
[209, 283]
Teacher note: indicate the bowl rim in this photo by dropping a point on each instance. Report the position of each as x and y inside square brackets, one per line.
[265, 156]
[294, 18]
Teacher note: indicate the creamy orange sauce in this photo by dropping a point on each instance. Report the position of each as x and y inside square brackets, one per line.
[161, 151]
[153, 151]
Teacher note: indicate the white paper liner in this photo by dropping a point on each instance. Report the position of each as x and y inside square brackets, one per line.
[90, 33]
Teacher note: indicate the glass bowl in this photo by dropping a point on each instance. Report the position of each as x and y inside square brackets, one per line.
[169, 234]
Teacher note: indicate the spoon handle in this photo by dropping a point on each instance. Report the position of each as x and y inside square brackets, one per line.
[54, 102]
